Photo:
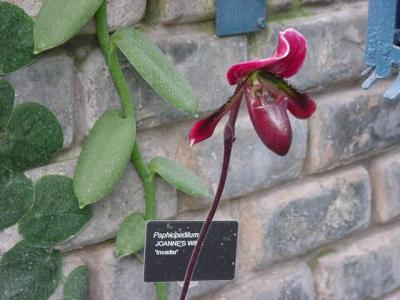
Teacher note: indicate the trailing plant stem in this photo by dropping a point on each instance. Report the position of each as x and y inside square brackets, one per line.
[229, 138]
[145, 175]
[110, 54]
[147, 178]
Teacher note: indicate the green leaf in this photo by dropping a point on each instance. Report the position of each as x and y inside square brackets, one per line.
[32, 137]
[156, 69]
[60, 20]
[131, 234]
[104, 157]
[76, 286]
[28, 272]
[16, 38]
[55, 215]
[16, 197]
[7, 96]
[179, 177]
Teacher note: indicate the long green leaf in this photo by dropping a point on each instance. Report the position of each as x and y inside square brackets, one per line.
[28, 272]
[16, 197]
[179, 177]
[130, 237]
[104, 157]
[76, 286]
[16, 38]
[60, 20]
[55, 215]
[156, 69]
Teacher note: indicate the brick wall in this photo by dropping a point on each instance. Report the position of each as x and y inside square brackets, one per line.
[321, 223]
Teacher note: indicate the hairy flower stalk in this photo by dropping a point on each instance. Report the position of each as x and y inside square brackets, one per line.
[229, 138]
[268, 99]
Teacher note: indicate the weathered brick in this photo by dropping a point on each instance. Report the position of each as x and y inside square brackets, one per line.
[335, 46]
[366, 268]
[187, 48]
[385, 178]
[188, 11]
[317, 1]
[181, 11]
[326, 1]
[290, 283]
[199, 288]
[392, 296]
[49, 81]
[120, 279]
[350, 125]
[109, 213]
[8, 238]
[277, 5]
[121, 13]
[293, 220]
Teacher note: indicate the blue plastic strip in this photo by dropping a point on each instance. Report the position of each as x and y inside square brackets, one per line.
[239, 16]
[385, 41]
[371, 48]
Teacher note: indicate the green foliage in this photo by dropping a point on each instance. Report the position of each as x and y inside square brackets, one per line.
[55, 215]
[104, 157]
[156, 69]
[162, 290]
[76, 286]
[7, 96]
[16, 197]
[179, 177]
[28, 273]
[16, 38]
[32, 136]
[296, 10]
[131, 235]
[313, 262]
[60, 20]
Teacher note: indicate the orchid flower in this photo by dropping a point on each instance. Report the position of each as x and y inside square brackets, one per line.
[268, 98]
[268, 95]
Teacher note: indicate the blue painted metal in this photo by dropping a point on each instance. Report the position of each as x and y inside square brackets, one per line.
[239, 16]
[382, 50]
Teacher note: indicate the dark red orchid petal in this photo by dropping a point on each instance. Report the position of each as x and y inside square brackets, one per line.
[204, 128]
[285, 62]
[302, 109]
[299, 104]
[271, 122]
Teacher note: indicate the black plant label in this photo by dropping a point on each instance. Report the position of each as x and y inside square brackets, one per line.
[169, 245]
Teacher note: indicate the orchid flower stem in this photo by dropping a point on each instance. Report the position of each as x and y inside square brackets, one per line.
[229, 138]
[146, 176]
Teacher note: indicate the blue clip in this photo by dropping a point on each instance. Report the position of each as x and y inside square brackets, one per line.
[382, 50]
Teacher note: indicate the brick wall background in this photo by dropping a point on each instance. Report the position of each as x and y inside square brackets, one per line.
[321, 223]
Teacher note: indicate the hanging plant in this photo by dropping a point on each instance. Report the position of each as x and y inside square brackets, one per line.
[56, 208]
